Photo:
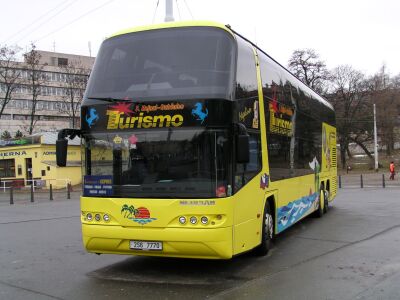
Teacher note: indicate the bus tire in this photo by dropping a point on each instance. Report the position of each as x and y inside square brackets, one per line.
[267, 232]
[320, 210]
[326, 201]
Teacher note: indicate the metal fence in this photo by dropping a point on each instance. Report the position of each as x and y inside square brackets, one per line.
[32, 193]
[35, 193]
[34, 183]
[368, 180]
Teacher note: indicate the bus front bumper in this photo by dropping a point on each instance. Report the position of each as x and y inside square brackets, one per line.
[213, 243]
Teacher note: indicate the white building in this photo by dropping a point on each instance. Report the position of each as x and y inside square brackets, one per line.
[52, 105]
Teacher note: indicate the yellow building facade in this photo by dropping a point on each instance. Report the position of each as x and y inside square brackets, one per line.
[33, 158]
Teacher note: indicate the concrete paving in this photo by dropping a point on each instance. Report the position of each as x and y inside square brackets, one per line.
[351, 253]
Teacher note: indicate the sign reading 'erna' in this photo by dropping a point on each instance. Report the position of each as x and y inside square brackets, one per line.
[12, 153]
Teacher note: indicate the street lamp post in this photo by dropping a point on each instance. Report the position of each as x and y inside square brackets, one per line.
[169, 11]
[375, 142]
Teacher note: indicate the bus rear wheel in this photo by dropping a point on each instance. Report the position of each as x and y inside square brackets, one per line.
[321, 201]
[267, 232]
[326, 201]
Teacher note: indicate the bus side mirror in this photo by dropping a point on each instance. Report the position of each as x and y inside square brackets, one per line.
[242, 149]
[61, 152]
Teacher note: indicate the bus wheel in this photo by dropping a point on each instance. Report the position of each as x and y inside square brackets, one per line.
[320, 210]
[267, 232]
[326, 201]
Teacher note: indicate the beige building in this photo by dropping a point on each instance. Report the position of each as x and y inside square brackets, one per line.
[33, 159]
[52, 109]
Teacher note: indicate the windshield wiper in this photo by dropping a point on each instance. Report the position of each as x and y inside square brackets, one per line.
[108, 99]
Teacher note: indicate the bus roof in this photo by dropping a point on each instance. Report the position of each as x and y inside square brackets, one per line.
[173, 25]
[216, 25]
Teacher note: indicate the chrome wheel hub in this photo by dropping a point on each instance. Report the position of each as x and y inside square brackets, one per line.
[269, 226]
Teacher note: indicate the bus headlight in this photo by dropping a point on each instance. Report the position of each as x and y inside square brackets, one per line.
[204, 220]
[182, 220]
[97, 217]
[106, 218]
[193, 220]
[89, 217]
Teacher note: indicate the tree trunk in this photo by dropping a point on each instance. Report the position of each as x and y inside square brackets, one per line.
[388, 148]
[33, 113]
[348, 152]
[5, 101]
[343, 156]
[364, 149]
[390, 142]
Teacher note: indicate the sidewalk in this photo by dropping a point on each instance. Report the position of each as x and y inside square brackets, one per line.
[368, 180]
[24, 196]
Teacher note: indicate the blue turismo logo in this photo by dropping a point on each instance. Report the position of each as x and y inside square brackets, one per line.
[198, 112]
[92, 117]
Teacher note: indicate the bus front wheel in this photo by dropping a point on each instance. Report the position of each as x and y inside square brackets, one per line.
[267, 232]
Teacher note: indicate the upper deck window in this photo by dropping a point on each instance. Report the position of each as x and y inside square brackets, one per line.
[246, 75]
[178, 63]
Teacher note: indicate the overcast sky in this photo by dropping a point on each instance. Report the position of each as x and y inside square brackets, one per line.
[362, 33]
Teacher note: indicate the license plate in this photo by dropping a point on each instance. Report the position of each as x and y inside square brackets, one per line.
[145, 245]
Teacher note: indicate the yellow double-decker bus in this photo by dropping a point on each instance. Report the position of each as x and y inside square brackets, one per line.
[197, 144]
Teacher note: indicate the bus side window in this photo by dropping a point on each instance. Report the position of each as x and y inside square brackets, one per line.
[279, 156]
[246, 98]
[245, 172]
[278, 110]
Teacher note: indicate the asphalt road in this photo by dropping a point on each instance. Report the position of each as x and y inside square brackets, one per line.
[353, 252]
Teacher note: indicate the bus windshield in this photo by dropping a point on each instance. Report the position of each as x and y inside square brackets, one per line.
[182, 63]
[171, 163]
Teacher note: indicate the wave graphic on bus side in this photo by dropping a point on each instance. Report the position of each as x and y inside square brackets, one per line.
[294, 211]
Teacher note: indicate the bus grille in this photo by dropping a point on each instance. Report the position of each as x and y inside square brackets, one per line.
[334, 186]
[334, 162]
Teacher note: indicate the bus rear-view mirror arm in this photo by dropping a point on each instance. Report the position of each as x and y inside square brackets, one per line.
[62, 145]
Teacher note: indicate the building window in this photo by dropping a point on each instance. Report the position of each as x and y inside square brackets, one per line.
[62, 61]
[43, 172]
[5, 117]
[7, 168]
[12, 103]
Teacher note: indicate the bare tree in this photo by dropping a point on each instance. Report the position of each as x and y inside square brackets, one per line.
[9, 74]
[6, 135]
[385, 94]
[309, 68]
[76, 80]
[35, 80]
[396, 81]
[353, 110]
[18, 134]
